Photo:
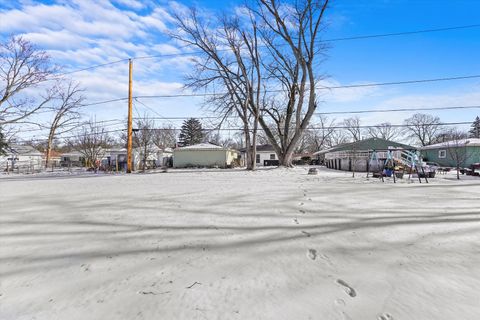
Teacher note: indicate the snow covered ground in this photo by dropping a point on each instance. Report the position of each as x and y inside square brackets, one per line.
[230, 244]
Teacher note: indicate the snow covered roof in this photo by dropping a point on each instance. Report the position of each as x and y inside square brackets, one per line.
[201, 146]
[24, 150]
[471, 142]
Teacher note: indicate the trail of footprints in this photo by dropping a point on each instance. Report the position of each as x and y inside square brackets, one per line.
[312, 254]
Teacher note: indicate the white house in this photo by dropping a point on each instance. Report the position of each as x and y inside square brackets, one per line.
[265, 156]
[116, 158]
[20, 158]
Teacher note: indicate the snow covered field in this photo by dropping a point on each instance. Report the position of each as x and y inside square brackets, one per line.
[213, 244]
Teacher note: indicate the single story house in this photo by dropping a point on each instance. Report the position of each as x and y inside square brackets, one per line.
[21, 158]
[72, 159]
[265, 155]
[358, 155]
[204, 155]
[116, 158]
[463, 152]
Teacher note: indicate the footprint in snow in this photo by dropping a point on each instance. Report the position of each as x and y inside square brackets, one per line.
[340, 302]
[312, 254]
[348, 289]
[385, 316]
[295, 220]
[301, 211]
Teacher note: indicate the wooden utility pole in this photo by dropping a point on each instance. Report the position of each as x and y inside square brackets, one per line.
[129, 128]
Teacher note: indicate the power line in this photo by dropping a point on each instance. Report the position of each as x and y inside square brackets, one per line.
[73, 136]
[278, 90]
[394, 34]
[92, 67]
[118, 122]
[321, 128]
[398, 110]
[260, 129]
[360, 37]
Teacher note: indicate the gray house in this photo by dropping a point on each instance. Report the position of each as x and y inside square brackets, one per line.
[462, 152]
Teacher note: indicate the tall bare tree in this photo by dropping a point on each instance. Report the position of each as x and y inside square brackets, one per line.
[91, 141]
[22, 67]
[272, 44]
[66, 113]
[423, 128]
[235, 70]
[384, 130]
[352, 126]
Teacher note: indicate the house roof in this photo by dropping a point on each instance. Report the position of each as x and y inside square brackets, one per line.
[53, 154]
[262, 148]
[471, 142]
[201, 147]
[367, 145]
[24, 150]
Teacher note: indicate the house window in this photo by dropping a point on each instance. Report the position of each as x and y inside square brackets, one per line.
[258, 158]
[272, 156]
[442, 154]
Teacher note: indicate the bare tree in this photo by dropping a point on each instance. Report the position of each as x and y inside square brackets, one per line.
[165, 137]
[236, 71]
[449, 135]
[276, 45]
[143, 138]
[423, 128]
[66, 108]
[337, 137]
[91, 141]
[457, 148]
[352, 125]
[22, 67]
[318, 136]
[384, 131]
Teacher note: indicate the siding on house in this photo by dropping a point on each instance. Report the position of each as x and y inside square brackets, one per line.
[203, 155]
[446, 154]
[264, 152]
[22, 158]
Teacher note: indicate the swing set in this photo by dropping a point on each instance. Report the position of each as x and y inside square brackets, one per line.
[408, 158]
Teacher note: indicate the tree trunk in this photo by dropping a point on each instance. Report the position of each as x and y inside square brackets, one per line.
[285, 159]
[49, 147]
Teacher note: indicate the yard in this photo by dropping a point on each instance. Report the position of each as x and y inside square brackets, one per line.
[231, 244]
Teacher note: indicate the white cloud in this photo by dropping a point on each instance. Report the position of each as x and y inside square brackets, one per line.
[340, 95]
[134, 4]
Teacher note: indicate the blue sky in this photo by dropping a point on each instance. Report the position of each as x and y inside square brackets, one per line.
[80, 33]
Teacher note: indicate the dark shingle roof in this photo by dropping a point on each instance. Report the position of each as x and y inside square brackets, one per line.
[369, 144]
[262, 147]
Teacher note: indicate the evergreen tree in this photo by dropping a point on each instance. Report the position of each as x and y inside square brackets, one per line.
[475, 129]
[191, 132]
[3, 143]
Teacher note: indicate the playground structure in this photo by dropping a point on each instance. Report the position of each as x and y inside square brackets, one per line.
[396, 162]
